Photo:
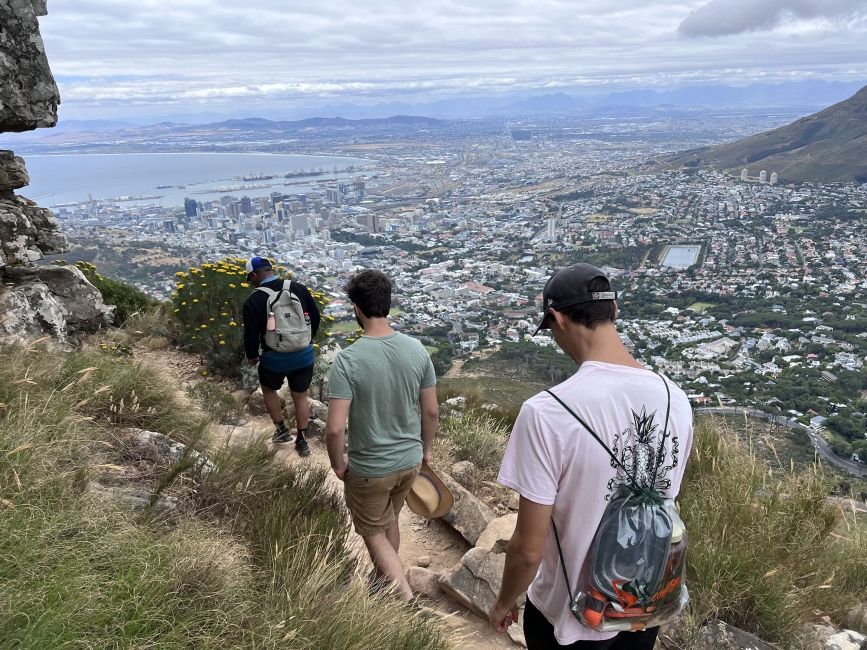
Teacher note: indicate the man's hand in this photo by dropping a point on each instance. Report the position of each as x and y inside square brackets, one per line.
[501, 617]
[253, 362]
[340, 470]
[426, 457]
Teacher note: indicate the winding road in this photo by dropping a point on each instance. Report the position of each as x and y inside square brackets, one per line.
[849, 466]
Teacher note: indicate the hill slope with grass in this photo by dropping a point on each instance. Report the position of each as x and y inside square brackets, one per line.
[824, 147]
[106, 545]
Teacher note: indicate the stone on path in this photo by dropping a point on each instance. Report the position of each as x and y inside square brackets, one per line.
[424, 581]
[846, 640]
[498, 533]
[469, 516]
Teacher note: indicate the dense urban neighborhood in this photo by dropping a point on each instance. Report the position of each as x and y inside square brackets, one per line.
[749, 292]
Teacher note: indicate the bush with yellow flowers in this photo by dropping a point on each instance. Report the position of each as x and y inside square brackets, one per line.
[208, 304]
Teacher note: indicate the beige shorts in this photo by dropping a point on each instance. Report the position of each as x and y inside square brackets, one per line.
[375, 502]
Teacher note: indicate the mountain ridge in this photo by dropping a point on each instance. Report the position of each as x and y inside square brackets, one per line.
[828, 146]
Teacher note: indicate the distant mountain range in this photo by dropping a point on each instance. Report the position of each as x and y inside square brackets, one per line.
[827, 146]
[810, 95]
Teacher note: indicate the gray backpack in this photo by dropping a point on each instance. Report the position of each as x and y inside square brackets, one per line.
[291, 329]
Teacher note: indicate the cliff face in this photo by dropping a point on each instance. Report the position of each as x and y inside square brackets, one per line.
[28, 94]
[33, 300]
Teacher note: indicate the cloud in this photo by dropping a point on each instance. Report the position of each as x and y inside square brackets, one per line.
[727, 17]
[195, 54]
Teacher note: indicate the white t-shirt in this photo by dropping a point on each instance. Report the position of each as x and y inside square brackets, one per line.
[552, 460]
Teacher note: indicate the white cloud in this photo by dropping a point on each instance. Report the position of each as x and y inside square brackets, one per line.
[726, 17]
[194, 53]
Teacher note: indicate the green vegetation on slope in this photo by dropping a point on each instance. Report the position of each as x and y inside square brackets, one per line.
[255, 557]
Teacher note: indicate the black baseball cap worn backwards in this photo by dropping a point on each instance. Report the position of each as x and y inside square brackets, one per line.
[569, 287]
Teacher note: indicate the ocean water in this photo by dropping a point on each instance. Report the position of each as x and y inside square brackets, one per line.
[58, 179]
[681, 257]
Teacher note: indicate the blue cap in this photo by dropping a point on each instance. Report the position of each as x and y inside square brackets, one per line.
[257, 263]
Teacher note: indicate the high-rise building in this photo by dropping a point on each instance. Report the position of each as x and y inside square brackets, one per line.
[246, 205]
[333, 195]
[191, 208]
[552, 229]
[744, 174]
[763, 176]
[372, 222]
[773, 178]
[300, 224]
[275, 198]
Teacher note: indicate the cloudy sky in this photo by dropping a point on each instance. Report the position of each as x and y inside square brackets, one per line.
[118, 57]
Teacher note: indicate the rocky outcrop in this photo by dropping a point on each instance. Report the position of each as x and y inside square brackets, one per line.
[55, 300]
[33, 301]
[27, 232]
[475, 581]
[28, 94]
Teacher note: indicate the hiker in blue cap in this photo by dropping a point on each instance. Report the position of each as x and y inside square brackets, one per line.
[280, 320]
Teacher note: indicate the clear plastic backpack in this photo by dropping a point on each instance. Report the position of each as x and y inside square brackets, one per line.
[637, 560]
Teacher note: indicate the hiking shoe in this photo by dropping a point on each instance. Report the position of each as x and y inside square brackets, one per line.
[281, 434]
[301, 445]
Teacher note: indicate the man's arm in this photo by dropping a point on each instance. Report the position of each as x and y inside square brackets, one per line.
[430, 413]
[524, 554]
[253, 327]
[335, 434]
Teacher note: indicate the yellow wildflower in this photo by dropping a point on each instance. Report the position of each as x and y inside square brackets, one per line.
[245, 285]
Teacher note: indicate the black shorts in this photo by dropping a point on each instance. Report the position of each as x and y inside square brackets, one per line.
[540, 636]
[299, 380]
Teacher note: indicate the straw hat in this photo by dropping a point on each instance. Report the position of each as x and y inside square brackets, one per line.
[429, 496]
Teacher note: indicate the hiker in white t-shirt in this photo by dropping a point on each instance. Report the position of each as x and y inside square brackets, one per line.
[563, 474]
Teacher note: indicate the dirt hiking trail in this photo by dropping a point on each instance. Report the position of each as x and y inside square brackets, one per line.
[420, 538]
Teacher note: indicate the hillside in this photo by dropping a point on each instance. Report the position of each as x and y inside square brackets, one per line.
[828, 146]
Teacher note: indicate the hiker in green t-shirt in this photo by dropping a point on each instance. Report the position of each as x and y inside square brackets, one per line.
[386, 385]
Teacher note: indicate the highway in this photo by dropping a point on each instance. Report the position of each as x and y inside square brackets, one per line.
[849, 466]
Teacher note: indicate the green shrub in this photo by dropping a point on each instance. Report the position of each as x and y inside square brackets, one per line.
[477, 437]
[762, 551]
[208, 305]
[127, 299]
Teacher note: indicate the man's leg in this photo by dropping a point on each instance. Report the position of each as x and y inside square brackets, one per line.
[392, 533]
[387, 561]
[302, 409]
[272, 404]
[271, 382]
[299, 382]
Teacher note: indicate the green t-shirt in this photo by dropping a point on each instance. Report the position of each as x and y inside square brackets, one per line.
[382, 375]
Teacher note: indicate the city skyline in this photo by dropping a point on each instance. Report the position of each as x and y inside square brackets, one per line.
[116, 59]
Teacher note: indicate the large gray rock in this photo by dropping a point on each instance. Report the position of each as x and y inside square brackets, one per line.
[13, 173]
[27, 232]
[55, 300]
[469, 516]
[846, 640]
[28, 94]
[722, 636]
[475, 582]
